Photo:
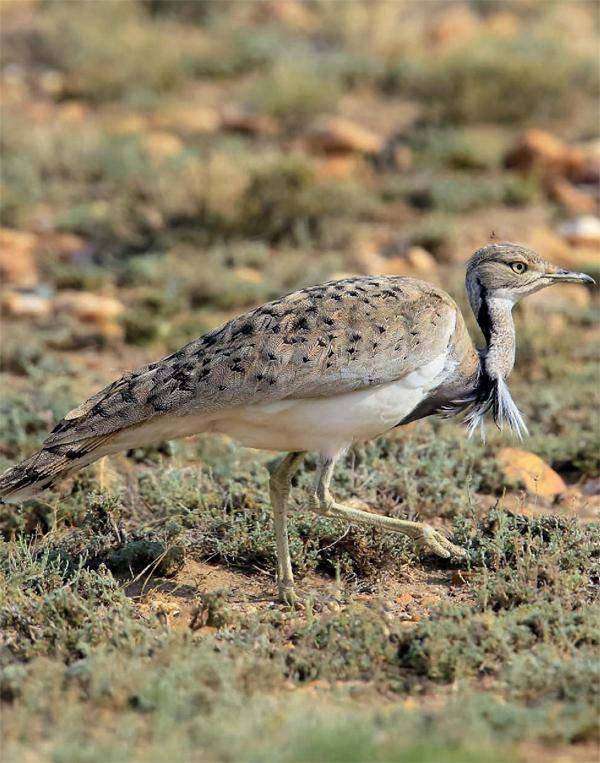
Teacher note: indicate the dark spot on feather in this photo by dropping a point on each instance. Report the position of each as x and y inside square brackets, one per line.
[301, 325]
[127, 396]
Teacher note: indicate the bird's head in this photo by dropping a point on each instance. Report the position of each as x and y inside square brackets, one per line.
[511, 272]
[498, 276]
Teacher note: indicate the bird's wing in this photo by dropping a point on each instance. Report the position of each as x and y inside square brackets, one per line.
[321, 341]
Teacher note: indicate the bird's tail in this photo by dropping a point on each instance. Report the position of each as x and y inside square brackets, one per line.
[45, 468]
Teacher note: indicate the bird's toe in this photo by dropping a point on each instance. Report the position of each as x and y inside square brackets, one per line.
[433, 541]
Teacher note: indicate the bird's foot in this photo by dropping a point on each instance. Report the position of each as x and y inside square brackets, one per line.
[287, 595]
[437, 543]
[304, 601]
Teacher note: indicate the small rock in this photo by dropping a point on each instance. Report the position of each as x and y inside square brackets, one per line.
[339, 136]
[453, 26]
[558, 250]
[405, 598]
[248, 275]
[23, 304]
[540, 151]
[73, 112]
[17, 264]
[162, 145]
[336, 167]
[293, 13]
[502, 23]
[582, 231]
[588, 167]
[529, 470]
[127, 124]
[65, 245]
[186, 119]
[573, 199]
[415, 262]
[239, 120]
[86, 306]
[52, 82]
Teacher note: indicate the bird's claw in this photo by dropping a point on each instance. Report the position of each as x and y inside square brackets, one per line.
[433, 541]
[289, 597]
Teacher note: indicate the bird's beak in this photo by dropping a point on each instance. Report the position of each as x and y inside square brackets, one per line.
[569, 276]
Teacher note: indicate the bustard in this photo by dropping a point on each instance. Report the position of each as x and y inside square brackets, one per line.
[317, 370]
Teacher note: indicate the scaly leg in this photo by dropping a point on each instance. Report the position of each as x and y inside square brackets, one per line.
[279, 487]
[424, 535]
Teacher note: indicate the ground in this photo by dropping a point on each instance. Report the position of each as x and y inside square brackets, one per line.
[152, 190]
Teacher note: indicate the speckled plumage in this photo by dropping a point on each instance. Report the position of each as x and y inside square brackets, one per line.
[320, 341]
[316, 370]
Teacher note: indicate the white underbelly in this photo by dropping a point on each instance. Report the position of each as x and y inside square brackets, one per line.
[328, 424]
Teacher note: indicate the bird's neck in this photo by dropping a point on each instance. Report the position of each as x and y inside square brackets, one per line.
[494, 316]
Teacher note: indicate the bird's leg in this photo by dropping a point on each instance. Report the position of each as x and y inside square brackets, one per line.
[424, 535]
[280, 484]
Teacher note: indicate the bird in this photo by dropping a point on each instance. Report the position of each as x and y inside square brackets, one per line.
[317, 371]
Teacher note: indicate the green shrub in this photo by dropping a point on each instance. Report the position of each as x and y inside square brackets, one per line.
[285, 202]
[498, 79]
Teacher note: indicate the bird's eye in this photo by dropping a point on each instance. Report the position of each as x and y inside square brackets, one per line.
[518, 267]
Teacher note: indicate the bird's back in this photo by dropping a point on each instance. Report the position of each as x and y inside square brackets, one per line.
[319, 341]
